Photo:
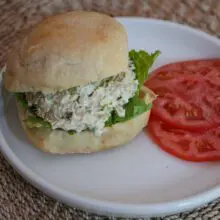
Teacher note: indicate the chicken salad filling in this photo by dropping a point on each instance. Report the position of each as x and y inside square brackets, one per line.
[85, 107]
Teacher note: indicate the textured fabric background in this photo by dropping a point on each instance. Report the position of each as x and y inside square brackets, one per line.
[18, 199]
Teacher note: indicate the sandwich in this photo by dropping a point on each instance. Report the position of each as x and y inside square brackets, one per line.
[77, 86]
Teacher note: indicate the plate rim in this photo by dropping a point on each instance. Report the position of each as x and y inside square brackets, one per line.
[108, 207]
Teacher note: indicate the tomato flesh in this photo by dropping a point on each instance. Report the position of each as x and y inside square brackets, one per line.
[184, 144]
[188, 94]
[177, 111]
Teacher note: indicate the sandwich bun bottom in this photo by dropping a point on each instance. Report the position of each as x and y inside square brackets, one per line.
[60, 142]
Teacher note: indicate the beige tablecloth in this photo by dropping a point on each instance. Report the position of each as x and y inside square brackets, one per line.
[18, 199]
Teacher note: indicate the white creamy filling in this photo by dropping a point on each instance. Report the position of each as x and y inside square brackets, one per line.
[89, 106]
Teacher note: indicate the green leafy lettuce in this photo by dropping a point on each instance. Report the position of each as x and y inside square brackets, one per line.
[33, 120]
[135, 107]
[22, 99]
[142, 62]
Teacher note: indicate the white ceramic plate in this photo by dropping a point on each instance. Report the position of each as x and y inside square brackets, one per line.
[138, 179]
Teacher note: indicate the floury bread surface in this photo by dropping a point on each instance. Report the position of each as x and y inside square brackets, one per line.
[68, 50]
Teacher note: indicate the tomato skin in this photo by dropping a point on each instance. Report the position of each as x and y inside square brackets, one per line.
[189, 94]
[186, 145]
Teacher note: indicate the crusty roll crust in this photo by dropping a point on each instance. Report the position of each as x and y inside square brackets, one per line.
[68, 50]
[60, 142]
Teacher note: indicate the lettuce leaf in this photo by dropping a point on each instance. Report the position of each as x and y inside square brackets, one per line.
[142, 62]
[71, 132]
[37, 122]
[22, 99]
[33, 120]
[136, 106]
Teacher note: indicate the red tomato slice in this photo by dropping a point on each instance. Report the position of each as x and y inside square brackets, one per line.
[186, 145]
[176, 111]
[189, 94]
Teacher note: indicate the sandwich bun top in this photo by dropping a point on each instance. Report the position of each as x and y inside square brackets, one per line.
[67, 50]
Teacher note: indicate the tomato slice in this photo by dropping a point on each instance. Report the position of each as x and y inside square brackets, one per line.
[189, 94]
[176, 111]
[184, 144]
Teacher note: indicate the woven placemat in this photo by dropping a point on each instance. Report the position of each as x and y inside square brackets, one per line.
[18, 199]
